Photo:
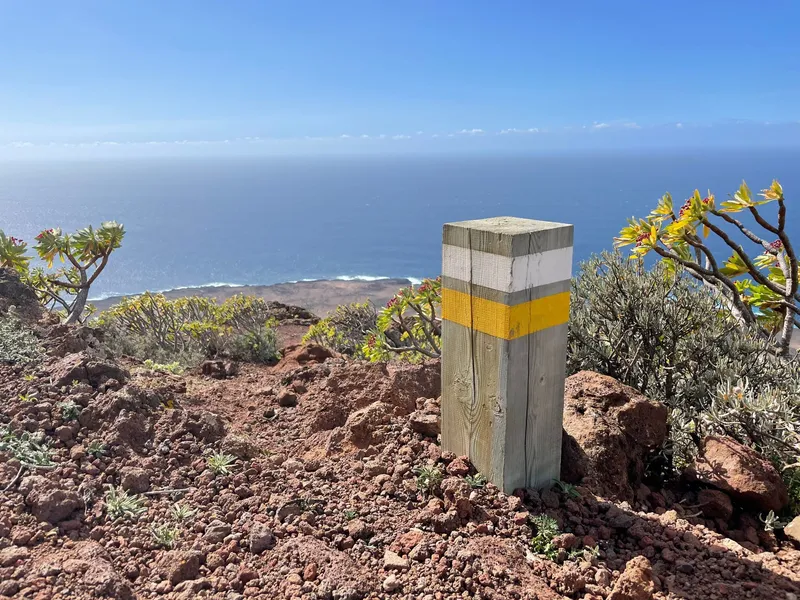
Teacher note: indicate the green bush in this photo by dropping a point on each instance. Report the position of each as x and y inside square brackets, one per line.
[260, 345]
[661, 332]
[189, 329]
[346, 329]
[410, 326]
[18, 344]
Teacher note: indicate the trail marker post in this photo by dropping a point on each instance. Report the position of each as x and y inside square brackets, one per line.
[505, 307]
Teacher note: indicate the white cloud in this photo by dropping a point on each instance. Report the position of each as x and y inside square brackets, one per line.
[515, 130]
[435, 135]
[420, 132]
[679, 125]
[401, 137]
[600, 125]
[344, 136]
[471, 131]
[364, 136]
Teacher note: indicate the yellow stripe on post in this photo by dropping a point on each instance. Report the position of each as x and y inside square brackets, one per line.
[503, 321]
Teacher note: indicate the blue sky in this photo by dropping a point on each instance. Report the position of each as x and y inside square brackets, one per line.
[93, 77]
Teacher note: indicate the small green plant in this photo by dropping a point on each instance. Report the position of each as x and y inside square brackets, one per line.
[182, 513]
[96, 449]
[410, 326]
[588, 553]
[70, 411]
[259, 345]
[476, 481]
[791, 476]
[29, 448]
[771, 521]
[220, 463]
[345, 329]
[121, 505]
[28, 377]
[350, 514]
[18, 344]
[428, 479]
[546, 528]
[28, 397]
[165, 535]
[174, 367]
[566, 489]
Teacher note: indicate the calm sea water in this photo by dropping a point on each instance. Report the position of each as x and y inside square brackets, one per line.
[260, 221]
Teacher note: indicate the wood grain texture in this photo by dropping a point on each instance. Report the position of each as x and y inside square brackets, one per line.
[508, 236]
[502, 399]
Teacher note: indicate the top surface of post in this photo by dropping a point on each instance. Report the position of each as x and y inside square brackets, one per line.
[508, 236]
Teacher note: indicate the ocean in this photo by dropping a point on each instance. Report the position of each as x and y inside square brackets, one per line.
[198, 222]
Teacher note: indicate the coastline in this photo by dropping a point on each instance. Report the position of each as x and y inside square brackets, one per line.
[319, 296]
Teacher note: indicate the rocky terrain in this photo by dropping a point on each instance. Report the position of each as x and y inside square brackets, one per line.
[333, 493]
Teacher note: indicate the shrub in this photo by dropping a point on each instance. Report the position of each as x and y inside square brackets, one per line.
[174, 367]
[69, 409]
[32, 449]
[165, 535]
[121, 505]
[660, 332]
[767, 420]
[188, 329]
[182, 512]
[664, 334]
[410, 326]
[18, 344]
[429, 478]
[346, 329]
[760, 292]
[220, 463]
[546, 528]
[67, 288]
[260, 345]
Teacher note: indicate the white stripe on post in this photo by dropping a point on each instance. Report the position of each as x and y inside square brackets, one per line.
[507, 273]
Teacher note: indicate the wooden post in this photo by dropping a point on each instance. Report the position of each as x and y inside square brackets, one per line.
[505, 307]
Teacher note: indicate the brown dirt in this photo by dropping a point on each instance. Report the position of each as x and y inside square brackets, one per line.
[323, 502]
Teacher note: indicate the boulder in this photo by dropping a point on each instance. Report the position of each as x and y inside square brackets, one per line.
[792, 530]
[739, 471]
[636, 581]
[135, 480]
[219, 369]
[179, 565]
[609, 428]
[47, 501]
[261, 538]
[83, 367]
[98, 577]
[715, 504]
[14, 293]
[362, 426]
[216, 531]
[295, 357]
[425, 423]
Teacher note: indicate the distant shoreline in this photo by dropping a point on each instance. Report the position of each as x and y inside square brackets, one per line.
[320, 297]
